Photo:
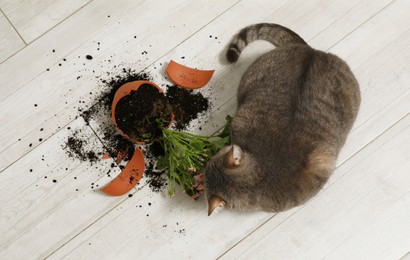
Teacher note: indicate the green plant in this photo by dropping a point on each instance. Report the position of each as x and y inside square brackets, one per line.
[186, 156]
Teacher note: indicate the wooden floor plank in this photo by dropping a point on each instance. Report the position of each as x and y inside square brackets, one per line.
[47, 198]
[33, 18]
[218, 233]
[358, 13]
[373, 183]
[387, 237]
[10, 41]
[63, 39]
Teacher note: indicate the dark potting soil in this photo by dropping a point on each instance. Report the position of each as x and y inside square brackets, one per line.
[143, 113]
[155, 149]
[156, 178]
[186, 105]
[76, 149]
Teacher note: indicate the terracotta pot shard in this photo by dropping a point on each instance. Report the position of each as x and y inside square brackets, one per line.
[188, 77]
[129, 177]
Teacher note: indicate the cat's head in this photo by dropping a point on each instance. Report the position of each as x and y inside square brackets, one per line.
[229, 176]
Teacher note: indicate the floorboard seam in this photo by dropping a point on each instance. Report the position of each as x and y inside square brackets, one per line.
[15, 29]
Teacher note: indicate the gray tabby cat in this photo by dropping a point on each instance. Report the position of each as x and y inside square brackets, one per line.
[296, 106]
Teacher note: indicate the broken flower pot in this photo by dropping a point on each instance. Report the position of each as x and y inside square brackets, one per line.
[139, 112]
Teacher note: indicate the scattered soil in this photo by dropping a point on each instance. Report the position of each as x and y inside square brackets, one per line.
[186, 104]
[143, 113]
[76, 149]
[156, 178]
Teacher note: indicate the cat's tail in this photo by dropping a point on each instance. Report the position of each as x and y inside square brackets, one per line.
[274, 33]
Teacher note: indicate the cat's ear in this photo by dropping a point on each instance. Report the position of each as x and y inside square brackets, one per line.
[233, 157]
[214, 202]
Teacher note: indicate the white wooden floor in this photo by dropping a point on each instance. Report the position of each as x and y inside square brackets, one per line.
[362, 213]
